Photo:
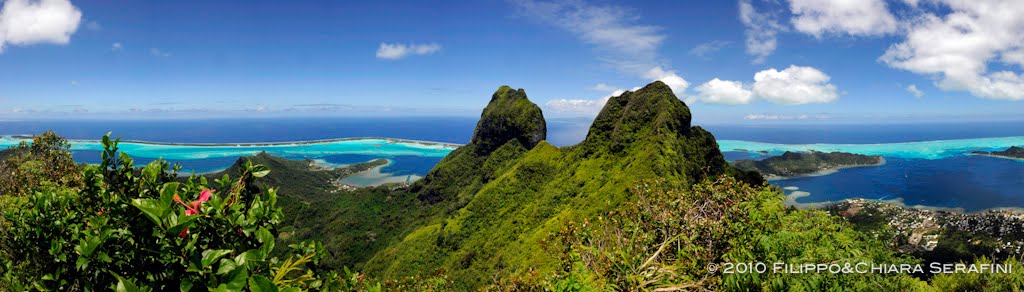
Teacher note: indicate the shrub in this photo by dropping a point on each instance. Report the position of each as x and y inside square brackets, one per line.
[45, 161]
[137, 229]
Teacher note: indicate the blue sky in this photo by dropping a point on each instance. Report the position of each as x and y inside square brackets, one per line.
[845, 61]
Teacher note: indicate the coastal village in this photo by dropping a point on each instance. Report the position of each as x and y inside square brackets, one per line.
[923, 230]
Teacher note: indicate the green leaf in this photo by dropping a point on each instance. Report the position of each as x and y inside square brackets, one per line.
[151, 208]
[106, 141]
[124, 285]
[151, 170]
[183, 222]
[186, 285]
[259, 283]
[260, 171]
[88, 245]
[167, 193]
[237, 279]
[211, 256]
[226, 266]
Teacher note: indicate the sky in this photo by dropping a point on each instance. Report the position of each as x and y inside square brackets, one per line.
[745, 61]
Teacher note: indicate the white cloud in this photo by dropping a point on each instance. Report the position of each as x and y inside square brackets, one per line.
[724, 92]
[761, 31]
[611, 29]
[1012, 57]
[397, 51]
[26, 22]
[116, 46]
[614, 32]
[158, 53]
[958, 46]
[604, 87]
[702, 50]
[794, 85]
[583, 105]
[853, 17]
[670, 78]
[913, 90]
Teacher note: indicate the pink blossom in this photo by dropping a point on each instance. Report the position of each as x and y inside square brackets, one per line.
[192, 208]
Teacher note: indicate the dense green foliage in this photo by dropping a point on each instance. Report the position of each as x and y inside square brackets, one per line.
[640, 135]
[509, 126]
[667, 237]
[646, 202]
[794, 164]
[46, 161]
[351, 225]
[128, 228]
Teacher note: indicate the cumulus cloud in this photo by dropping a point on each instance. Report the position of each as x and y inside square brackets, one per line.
[116, 46]
[395, 51]
[761, 31]
[724, 92]
[913, 90]
[853, 17]
[958, 46]
[26, 22]
[794, 85]
[670, 78]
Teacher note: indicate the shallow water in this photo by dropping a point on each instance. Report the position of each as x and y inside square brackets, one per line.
[408, 157]
[940, 149]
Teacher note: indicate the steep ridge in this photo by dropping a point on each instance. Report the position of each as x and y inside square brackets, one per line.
[509, 126]
[517, 195]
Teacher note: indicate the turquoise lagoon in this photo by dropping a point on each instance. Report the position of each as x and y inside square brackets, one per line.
[929, 173]
[925, 174]
[907, 150]
[409, 159]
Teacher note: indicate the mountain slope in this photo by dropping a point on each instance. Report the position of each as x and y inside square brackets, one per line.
[637, 136]
[509, 126]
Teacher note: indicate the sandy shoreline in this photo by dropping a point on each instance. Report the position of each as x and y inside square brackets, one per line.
[377, 177]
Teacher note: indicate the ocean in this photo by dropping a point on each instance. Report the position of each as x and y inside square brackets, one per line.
[927, 163]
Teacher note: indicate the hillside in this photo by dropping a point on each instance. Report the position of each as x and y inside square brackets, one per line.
[792, 164]
[351, 223]
[646, 202]
[516, 191]
[1013, 152]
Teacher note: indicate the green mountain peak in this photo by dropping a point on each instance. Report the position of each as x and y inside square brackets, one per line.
[506, 191]
[509, 126]
[650, 110]
[509, 115]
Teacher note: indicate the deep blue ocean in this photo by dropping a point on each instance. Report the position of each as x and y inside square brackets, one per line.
[964, 181]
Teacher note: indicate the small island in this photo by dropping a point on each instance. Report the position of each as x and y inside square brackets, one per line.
[794, 164]
[1013, 152]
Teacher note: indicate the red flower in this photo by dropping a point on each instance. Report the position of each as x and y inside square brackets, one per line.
[192, 208]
